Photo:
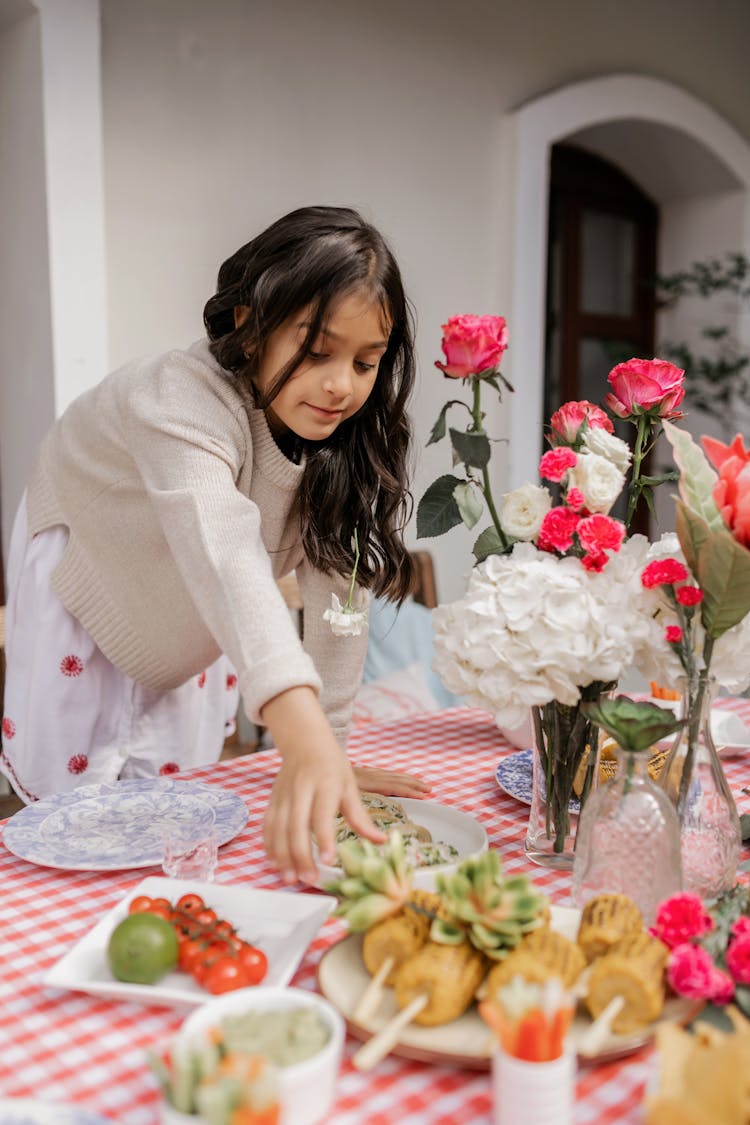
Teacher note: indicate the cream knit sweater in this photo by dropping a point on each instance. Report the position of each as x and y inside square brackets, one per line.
[182, 514]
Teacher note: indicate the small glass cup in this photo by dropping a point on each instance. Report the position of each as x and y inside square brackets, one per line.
[189, 847]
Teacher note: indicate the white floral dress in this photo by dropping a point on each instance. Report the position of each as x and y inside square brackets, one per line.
[71, 717]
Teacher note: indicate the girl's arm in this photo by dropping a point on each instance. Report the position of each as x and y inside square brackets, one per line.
[316, 781]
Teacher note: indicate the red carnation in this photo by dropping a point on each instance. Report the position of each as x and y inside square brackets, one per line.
[689, 595]
[600, 533]
[673, 634]
[680, 918]
[556, 462]
[663, 572]
[558, 526]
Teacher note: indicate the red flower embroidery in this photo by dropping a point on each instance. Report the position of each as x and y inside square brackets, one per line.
[79, 763]
[169, 767]
[231, 682]
[71, 665]
[9, 728]
[202, 680]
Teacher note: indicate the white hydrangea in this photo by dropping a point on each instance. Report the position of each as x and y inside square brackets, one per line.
[533, 628]
[605, 444]
[600, 481]
[522, 511]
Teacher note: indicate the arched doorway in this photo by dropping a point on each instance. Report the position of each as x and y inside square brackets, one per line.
[622, 118]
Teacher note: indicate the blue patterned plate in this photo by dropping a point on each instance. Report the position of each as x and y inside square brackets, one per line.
[115, 827]
[29, 1111]
[513, 775]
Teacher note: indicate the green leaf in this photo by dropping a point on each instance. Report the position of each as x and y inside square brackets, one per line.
[742, 999]
[437, 511]
[745, 827]
[721, 567]
[692, 533]
[488, 543]
[697, 478]
[634, 725]
[471, 449]
[438, 430]
[470, 503]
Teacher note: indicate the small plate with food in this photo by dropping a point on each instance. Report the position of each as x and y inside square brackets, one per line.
[436, 837]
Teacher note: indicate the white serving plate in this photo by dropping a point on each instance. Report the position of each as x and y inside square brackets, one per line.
[467, 1041]
[116, 827]
[280, 923]
[449, 825]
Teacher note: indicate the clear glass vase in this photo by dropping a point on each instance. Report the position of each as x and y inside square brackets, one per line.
[694, 780]
[565, 770]
[628, 839]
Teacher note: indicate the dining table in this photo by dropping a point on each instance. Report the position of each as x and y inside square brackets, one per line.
[72, 1048]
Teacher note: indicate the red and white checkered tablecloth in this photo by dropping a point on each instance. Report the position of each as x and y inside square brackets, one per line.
[67, 1047]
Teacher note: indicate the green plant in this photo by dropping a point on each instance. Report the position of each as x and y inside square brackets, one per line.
[717, 371]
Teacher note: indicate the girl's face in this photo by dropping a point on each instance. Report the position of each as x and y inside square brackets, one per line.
[335, 379]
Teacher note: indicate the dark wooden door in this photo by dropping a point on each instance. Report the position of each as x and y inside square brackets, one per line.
[601, 266]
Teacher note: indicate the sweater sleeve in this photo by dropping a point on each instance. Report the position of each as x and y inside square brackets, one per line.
[189, 450]
[339, 659]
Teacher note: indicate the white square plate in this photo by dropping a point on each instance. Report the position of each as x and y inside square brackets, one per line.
[280, 923]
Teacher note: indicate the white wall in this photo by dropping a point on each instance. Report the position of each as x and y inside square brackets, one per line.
[26, 365]
[219, 116]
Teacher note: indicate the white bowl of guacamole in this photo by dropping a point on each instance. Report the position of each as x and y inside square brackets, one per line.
[298, 1031]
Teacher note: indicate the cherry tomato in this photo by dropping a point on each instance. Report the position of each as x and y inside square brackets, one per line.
[190, 903]
[164, 903]
[223, 928]
[206, 917]
[141, 904]
[254, 962]
[225, 975]
[190, 952]
[160, 911]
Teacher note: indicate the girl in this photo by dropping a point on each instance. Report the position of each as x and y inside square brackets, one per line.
[167, 501]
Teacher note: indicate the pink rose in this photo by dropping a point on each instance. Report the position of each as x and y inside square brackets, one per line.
[472, 344]
[732, 490]
[679, 918]
[567, 421]
[600, 533]
[556, 462]
[738, 958]
[556, 532]
[691, 972]
[663, 572]
[646, 386]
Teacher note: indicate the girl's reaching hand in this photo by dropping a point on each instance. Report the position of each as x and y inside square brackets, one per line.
[391, 783]
[315, 782]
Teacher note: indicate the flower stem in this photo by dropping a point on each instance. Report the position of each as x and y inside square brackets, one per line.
[478, 428]
[350, 599]
[643, 426]
[694, 713]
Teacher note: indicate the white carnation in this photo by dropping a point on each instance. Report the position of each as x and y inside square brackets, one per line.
[346, 621]
[599, 480]
[522, 511]
[610, 446]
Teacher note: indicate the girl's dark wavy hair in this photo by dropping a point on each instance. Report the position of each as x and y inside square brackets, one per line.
[357, 480]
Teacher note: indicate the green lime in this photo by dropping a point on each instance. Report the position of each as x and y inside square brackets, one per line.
[142, 948]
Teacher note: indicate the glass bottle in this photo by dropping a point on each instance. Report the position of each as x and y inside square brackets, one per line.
[694, 780]
[628, 839]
